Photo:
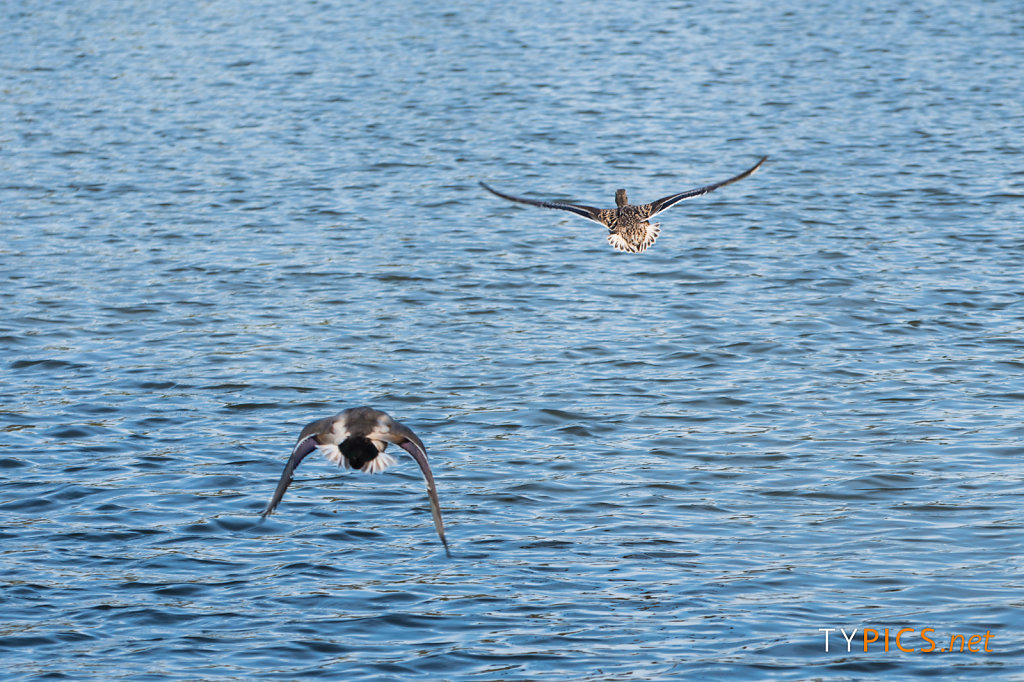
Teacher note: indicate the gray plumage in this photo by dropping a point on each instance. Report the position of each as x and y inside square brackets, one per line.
[356, 439]
[628, 226]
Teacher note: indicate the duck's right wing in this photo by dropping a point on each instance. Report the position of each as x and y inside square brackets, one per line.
[402, 436]
[655, 207]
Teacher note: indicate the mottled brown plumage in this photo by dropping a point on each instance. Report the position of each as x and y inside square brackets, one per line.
[629, 227]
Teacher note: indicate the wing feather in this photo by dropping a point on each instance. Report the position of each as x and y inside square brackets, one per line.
[403, 437]
[302, 448]
[588, 212]
[664, 203]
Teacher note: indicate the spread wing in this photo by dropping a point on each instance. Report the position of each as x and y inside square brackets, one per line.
[588, 212]
[302, 448]
[404, 438]
[664, 203]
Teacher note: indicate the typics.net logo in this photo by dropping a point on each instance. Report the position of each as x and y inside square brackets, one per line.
[907, 640]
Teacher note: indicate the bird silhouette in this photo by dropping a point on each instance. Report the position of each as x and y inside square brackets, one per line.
[356, 439]
[628, 226]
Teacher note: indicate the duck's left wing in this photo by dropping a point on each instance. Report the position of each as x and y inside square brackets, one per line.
[588, 212]
[302, 448]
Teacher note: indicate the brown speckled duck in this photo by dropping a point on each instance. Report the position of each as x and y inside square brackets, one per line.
[628, 226]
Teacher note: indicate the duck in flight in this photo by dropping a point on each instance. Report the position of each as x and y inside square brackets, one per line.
[628, 226]
[356, 439]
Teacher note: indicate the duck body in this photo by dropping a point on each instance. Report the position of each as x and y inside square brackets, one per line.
[356, 438]
[629, 226]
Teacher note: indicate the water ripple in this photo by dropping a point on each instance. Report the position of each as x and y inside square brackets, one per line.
[800, 409]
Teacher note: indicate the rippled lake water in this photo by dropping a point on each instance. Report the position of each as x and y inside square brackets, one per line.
[801, 409]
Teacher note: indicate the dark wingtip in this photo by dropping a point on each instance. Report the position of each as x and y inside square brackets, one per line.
[268, 510]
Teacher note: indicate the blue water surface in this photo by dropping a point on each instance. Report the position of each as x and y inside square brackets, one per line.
[800, 409]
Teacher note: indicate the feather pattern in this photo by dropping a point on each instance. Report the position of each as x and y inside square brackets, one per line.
[356, 439]
[628, 226]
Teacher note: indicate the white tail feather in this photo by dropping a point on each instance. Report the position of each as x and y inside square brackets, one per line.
[650, 236]
[379, 463]
[333, 454]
